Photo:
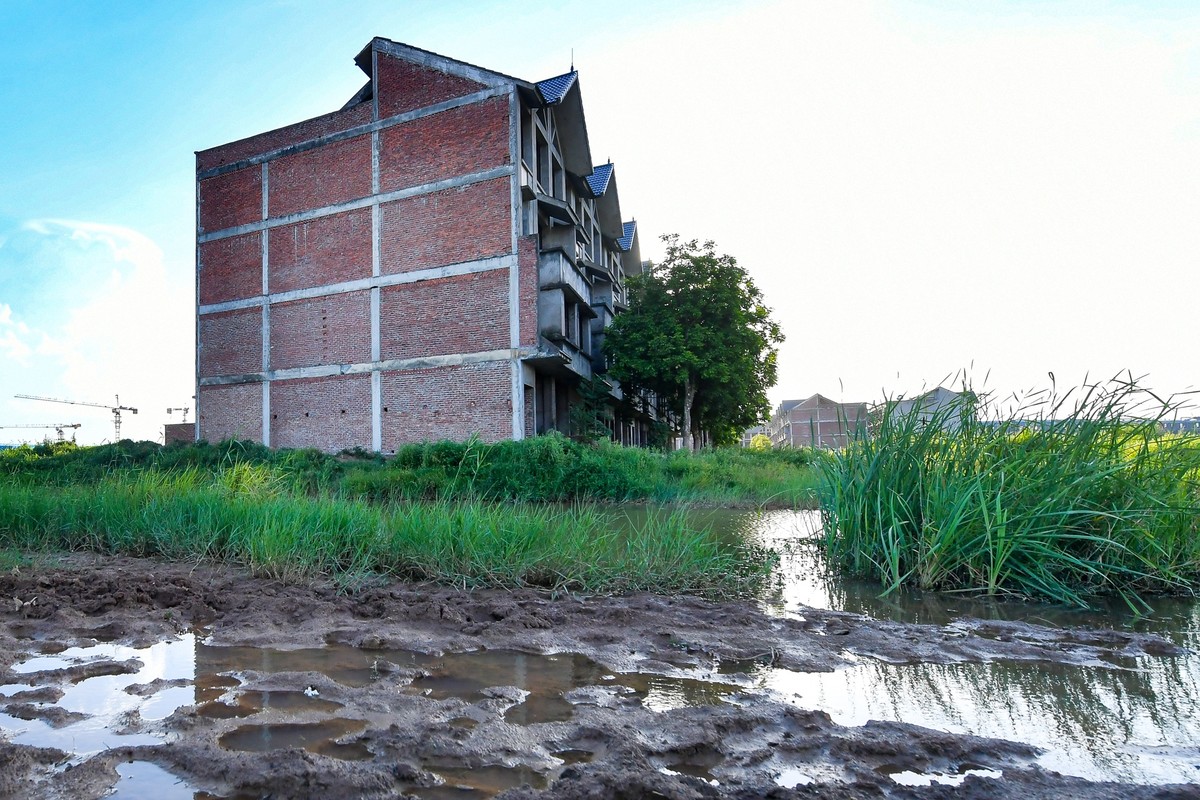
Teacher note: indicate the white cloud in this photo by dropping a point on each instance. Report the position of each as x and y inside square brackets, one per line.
[13, 336]
[128, 334]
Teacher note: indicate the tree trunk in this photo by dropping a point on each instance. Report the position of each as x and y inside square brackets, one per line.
[689, 396]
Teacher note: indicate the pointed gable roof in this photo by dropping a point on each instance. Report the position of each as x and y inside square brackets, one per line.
[628, 231]
[598, 180]
[553, 89]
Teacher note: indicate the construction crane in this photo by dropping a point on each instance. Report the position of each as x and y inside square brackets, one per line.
[185, 409]
[115, 409]
[57, 426]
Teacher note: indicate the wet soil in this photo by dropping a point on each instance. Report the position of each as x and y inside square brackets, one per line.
[314, 689]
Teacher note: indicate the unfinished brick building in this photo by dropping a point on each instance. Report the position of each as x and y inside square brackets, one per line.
[437, 259]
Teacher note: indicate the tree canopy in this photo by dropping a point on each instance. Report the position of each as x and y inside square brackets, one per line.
[698, 336]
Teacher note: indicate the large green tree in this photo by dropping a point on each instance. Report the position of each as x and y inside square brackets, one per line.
[698, 335]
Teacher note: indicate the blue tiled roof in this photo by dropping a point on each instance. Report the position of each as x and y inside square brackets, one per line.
[553, 89]
[598, 180]
[627, 232]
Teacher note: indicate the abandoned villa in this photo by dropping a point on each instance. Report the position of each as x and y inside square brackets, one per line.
[438, 259]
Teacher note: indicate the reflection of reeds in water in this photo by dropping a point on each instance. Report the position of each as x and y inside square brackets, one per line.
[1092, 719]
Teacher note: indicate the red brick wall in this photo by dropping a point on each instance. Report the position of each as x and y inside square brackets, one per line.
[403, 86]
[234, 198]
[283, 137]
[329, 414]
[230, 269]
[321, 251]
[231, 412]
[231, 343]
[319, 177]
[180, 432]
[447, 403]
[455, 142]
[463, 314]
[447, 227]
[335, 329]
[527, 278]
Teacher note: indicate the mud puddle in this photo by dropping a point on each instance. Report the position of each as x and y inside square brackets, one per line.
[83, 714]
[209, 682]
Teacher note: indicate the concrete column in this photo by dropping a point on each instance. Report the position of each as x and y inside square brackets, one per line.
[266, 311]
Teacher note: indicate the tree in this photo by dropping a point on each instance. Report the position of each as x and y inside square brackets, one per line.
[697, 335]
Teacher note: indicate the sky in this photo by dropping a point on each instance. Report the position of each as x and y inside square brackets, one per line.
[918, 189]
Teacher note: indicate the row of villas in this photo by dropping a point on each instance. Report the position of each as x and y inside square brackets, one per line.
[818, 421]
[437, 259]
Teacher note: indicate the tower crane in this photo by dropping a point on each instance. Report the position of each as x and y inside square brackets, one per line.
[115, 409]
[58, 427]
[184, 409]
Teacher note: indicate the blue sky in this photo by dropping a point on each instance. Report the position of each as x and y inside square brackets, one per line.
[917, 187]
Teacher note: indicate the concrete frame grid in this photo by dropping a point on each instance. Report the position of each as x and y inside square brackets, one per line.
[466, 406]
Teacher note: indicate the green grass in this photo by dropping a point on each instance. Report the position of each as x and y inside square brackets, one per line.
[245, 514]
[547, 468]
[1064, 499]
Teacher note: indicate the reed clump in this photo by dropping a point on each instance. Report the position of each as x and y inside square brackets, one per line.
[1063, 498]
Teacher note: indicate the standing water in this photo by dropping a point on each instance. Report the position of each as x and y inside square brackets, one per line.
[1132, 721]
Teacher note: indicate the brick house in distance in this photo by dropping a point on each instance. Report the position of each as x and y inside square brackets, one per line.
[816, 421]
[437, 259]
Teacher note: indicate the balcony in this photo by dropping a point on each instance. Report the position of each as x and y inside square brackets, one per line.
[556, 271]
[561, 358]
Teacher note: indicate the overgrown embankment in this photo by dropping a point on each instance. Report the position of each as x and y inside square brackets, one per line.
[469, 514]
[240, 515]
[1075, 499]
[547, 468]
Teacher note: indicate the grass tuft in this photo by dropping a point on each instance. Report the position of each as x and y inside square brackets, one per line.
[237, 515]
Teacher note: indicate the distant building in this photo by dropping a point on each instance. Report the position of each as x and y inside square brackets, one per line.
[1185, 425]
[816, 421]
[437, 259]
[940, 404]
[179, 432]
[749, 434]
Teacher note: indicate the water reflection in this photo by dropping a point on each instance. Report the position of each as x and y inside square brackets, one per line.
[1134, 723]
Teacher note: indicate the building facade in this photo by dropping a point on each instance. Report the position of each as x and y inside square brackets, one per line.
[940, 405]
[437, 259]
[816, 421]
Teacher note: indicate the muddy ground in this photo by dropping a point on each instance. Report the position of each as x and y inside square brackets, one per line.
[590, 737]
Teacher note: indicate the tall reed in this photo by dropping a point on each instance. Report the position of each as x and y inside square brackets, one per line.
[1062, 498]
